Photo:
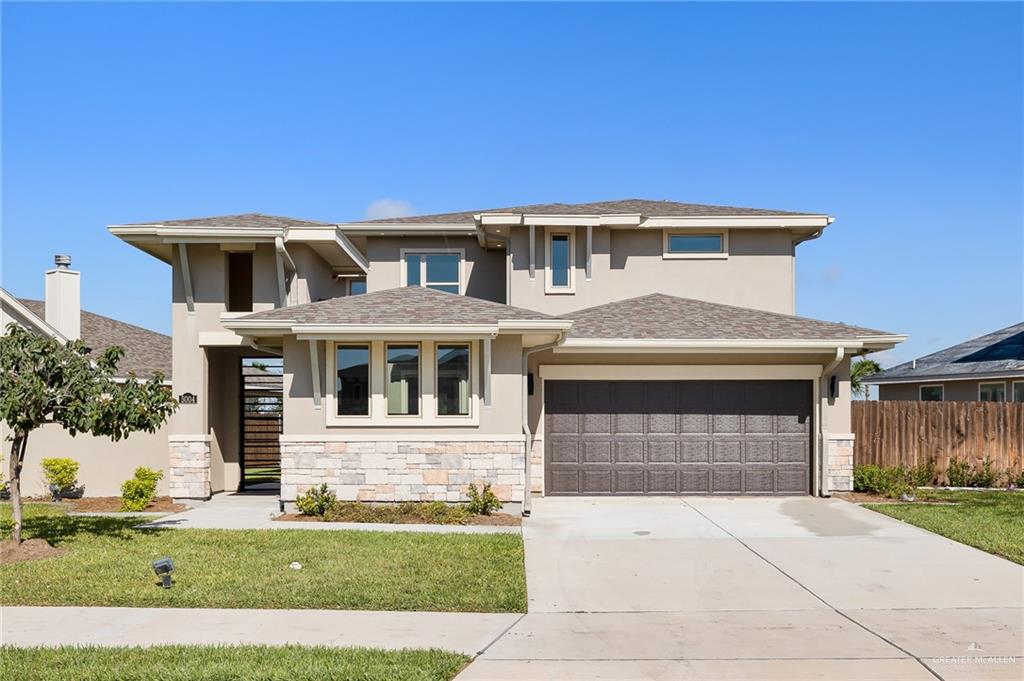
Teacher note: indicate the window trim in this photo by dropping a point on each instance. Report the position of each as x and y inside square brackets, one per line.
[419, 379]
[405, 252]
[1002, 383]
[940, 386]
[549, 287]
[472, 383]
[428, 389]
[666, 234]
[332, 362]
[1013, 385]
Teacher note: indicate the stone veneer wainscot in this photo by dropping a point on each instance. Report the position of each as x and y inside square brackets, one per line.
[413, 470]
[839, 453]
[189, 466]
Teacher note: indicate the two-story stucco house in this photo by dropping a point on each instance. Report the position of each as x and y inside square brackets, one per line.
[624, 347]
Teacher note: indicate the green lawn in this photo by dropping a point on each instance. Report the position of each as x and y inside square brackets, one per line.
[108, 563]
[990, 521]
[210, 663]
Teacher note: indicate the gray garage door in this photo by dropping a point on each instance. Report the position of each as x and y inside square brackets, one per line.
[677, 437]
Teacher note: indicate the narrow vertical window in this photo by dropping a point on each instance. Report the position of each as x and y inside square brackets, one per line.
[560, 260]
[452, 380]
[1018, 392]
[239, 282]
[352, 382]
[412, 270]
[403, 380]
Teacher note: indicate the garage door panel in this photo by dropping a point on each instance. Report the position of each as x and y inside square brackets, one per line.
[727, 451]
[662, 482]
[726, 480]
[695, 451]
[595, 481]
[597, 451]
[628, 481]
[678, 437]
[758, 480]
[662, 451]
[627, 451]
[759, 451]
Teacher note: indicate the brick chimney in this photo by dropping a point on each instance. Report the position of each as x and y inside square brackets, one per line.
[64, 298]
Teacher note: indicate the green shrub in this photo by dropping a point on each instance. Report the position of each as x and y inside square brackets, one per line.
[959, 473]
[137, 492]
[1015, 479]
[922, 474]
[889, 482]
[985, 475]
[482, 502]
[61, 473]
[316, 500]
[434, 512]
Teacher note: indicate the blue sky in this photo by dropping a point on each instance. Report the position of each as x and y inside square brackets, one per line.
[902, 120]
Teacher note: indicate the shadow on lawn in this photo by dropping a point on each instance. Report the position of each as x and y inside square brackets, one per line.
[60, 528]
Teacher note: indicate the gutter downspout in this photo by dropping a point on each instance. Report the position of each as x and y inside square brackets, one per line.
[528, 482]
[822, 429]
[282, 255]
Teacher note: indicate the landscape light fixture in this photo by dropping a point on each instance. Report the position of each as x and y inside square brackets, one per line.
[163, 567]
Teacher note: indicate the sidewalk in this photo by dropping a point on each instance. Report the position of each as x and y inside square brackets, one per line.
[232, 511]
[467, 633]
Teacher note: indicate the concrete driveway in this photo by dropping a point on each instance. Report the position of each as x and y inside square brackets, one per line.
[787, 588]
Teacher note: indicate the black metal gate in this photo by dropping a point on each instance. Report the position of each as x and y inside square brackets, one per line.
[262, 392]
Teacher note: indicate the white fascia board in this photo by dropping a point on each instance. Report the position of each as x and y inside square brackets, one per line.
[27, 315]
[621, 220]
[562, 220]
[534, 325]
[485, 219]
[178, 233]
[351, 251]
[745, 221]
[400, 228]
[711, 344]
[394, 329]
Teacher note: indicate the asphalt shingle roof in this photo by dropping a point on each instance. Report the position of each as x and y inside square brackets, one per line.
[240, 221]
[145, 351]
[660, 316]
[626, 206]
[998, 352]
[409, 305]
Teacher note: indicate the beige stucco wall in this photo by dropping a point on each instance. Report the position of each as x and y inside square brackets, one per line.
[503, 417]
[953, 391]
[104, 464]
[484, 271]
[626, 263]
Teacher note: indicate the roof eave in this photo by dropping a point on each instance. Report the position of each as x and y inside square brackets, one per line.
[880, 379]
[723, 344]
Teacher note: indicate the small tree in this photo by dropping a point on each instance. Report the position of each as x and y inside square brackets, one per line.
[860, 370]
[45, 381]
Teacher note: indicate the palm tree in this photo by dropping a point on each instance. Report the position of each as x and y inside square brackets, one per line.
[860, 370]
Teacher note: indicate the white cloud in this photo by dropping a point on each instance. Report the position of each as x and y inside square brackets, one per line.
[388, 208]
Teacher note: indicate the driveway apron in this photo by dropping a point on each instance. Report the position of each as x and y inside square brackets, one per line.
[774, 588]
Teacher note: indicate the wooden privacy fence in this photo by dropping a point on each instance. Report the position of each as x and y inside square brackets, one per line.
[899, 433]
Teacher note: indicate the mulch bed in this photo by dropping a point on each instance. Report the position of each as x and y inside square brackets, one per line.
[864, 498]
[30, 549]
[113, 504]
[493, 519]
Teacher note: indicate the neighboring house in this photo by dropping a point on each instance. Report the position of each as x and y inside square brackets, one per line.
[623, 347]
[105, 464]
[989, 368]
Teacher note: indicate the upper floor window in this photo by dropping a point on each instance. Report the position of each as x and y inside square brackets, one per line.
[357, 286]
[696, 245]
[992, 392]
[239, 280]
[561, 260]
[439, 270]
[931, 393]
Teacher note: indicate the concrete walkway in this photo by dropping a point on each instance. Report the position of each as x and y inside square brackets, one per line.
[230, 511]
[715, 588]
[467, 633]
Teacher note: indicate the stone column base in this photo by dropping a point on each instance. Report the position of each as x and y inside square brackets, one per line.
[839, 462]
[189, 466]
